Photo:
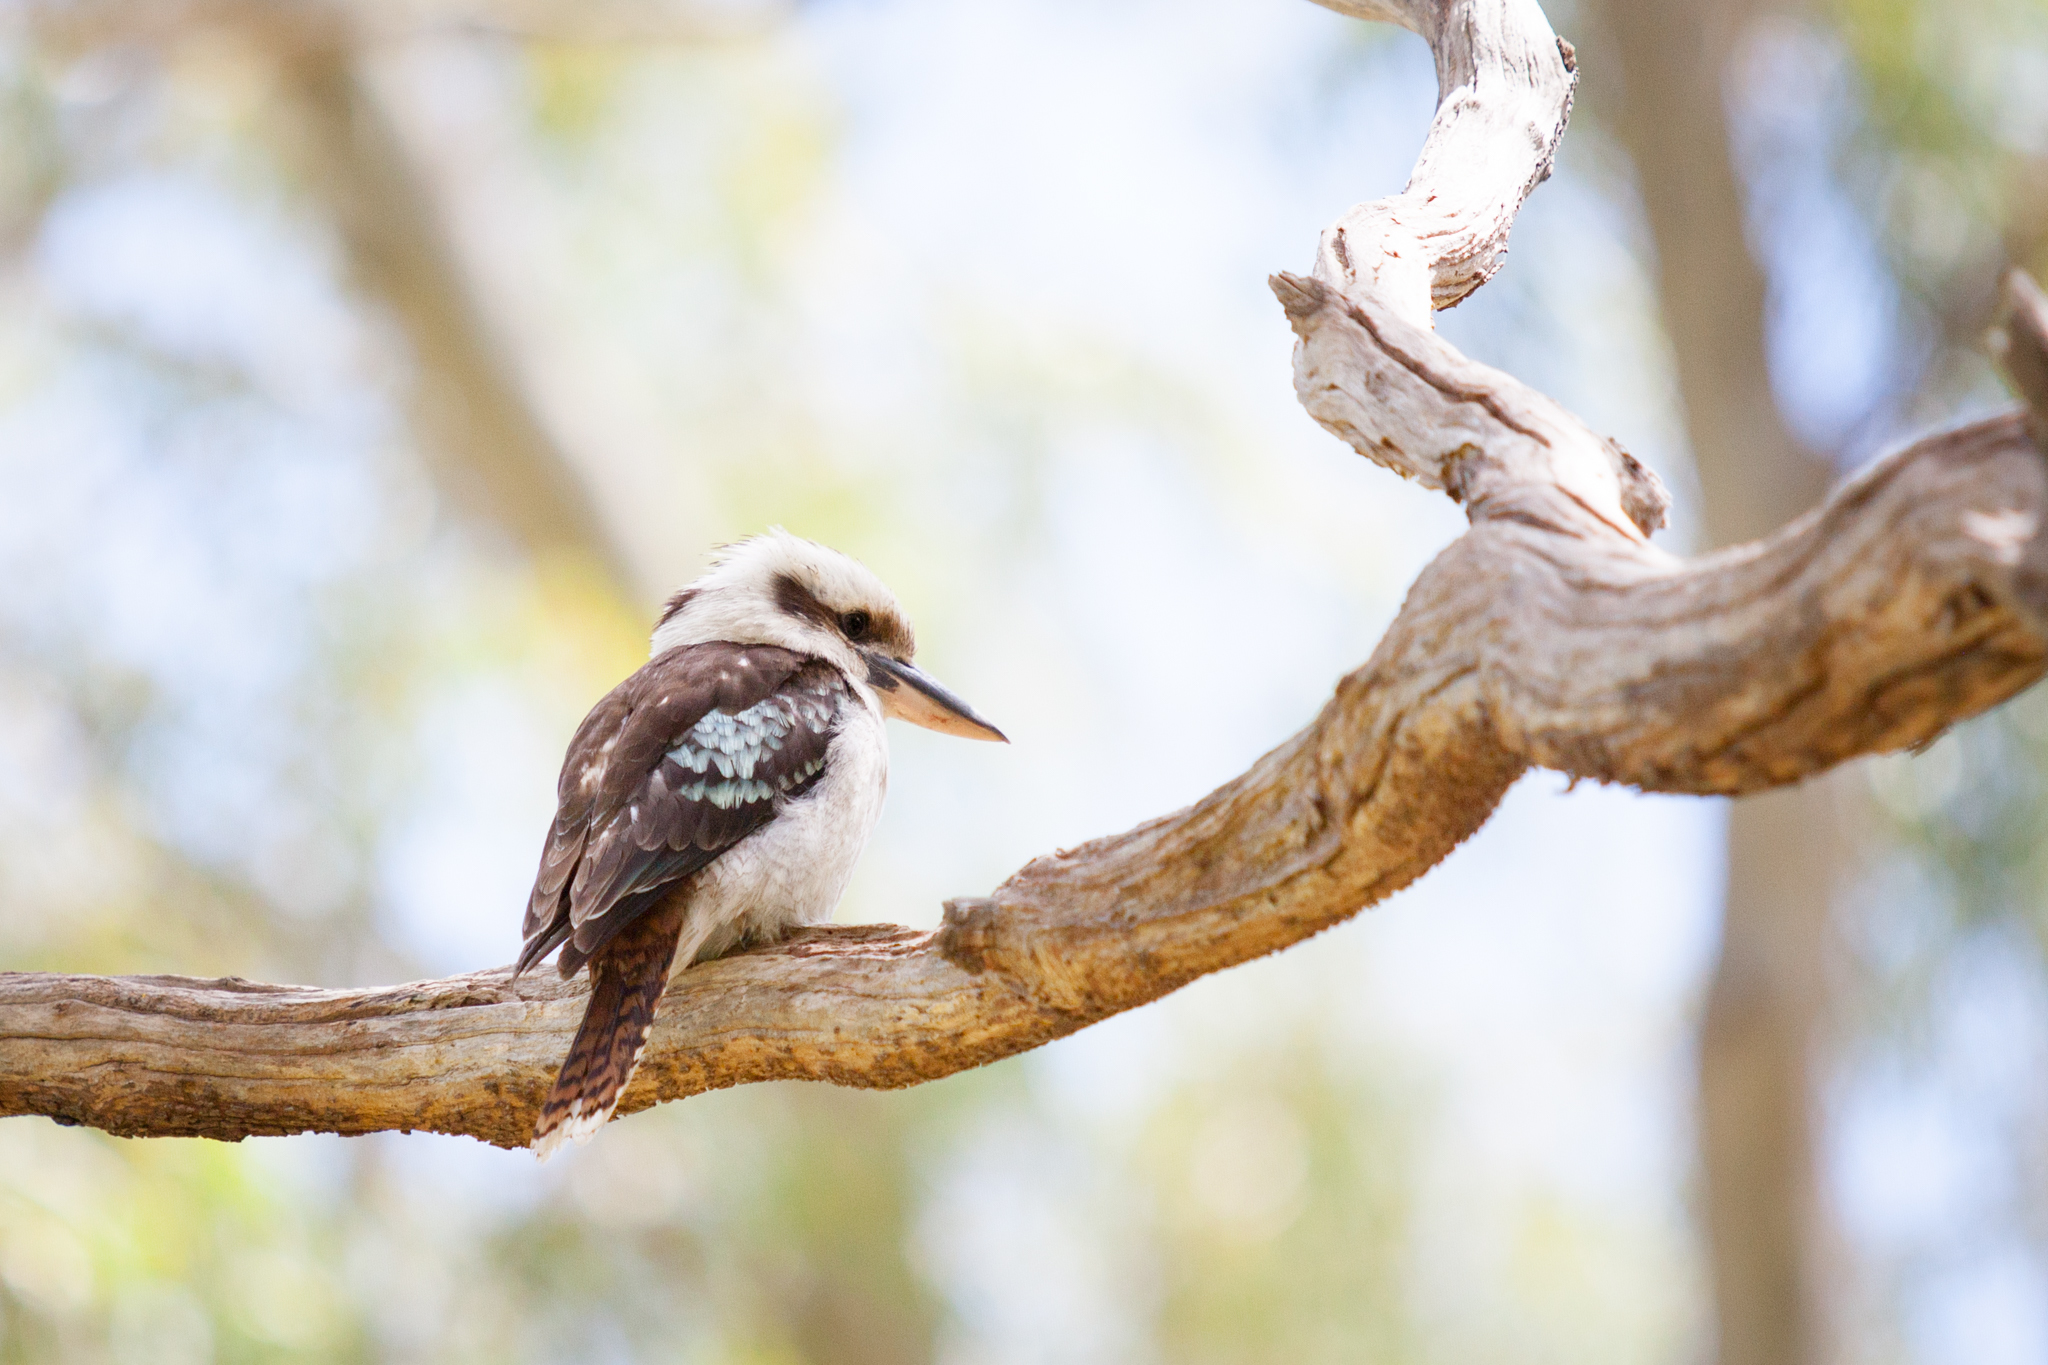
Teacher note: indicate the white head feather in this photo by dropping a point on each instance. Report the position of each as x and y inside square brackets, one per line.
[780, 589]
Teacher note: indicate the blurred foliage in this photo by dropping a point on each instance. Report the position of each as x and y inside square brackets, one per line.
[1928, 123]
[1939, 141]
[1953, 160]
[1284, 1197]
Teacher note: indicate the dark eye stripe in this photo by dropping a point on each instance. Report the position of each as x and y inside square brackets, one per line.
[885, 628]
[797, 600]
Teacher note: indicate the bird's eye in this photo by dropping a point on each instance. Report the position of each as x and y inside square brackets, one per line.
[855, 624]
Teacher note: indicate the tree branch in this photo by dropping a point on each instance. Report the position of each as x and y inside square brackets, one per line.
[1551, 634]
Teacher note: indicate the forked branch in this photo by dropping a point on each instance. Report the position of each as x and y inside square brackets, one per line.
[1550, 634]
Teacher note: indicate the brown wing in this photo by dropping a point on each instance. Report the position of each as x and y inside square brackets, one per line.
[684, 759]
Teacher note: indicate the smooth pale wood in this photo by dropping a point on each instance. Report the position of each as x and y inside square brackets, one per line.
[1551, 633]
[1402, 397]
[1504, 92]
[1369, 366]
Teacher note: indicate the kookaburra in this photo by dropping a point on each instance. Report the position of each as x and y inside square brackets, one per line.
[721, 795]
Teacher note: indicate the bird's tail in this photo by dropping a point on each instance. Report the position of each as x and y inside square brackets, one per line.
[627, 978]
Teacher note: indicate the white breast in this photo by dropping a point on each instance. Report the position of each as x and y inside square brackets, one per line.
[794, 870]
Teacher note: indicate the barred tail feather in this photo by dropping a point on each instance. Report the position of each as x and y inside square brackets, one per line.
[627, 979]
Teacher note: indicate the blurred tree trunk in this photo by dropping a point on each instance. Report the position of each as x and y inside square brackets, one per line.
[488, 448]
[1762, 1211]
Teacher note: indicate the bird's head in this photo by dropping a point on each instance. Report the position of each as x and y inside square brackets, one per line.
[779, 589]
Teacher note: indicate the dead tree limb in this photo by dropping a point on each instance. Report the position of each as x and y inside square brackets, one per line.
[1550, 634]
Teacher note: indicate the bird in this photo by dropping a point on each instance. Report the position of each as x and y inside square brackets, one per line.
[721, 795]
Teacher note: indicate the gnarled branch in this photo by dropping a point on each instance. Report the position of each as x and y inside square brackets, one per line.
[1551, 634]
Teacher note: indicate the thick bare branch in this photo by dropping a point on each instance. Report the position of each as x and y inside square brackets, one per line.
[1915, 597]
[1551, 633]
[1404, 398]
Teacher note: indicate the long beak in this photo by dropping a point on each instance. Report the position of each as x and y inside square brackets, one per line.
[909, 693]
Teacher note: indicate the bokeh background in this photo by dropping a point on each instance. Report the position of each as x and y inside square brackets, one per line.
[369, 371]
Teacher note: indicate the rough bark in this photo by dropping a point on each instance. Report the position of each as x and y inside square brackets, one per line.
[1551, 633]
[1760, 1210]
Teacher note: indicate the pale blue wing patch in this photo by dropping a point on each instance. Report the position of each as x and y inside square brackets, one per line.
[733, 754]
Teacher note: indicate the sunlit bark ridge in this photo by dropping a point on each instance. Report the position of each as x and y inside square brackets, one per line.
[1550, 634]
